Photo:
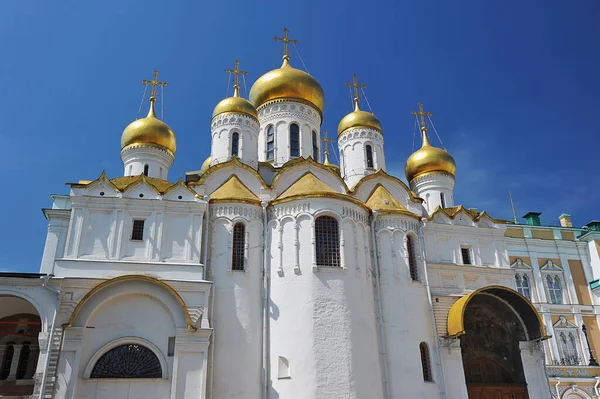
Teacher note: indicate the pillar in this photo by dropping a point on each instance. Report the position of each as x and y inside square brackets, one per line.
[454, 373]
[533, 368]
[15, 362]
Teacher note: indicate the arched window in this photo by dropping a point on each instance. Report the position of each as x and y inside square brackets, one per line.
[23, 362]
[294, 140]
[270, 142]
[9, 352]
[442, 200]
[568, 349]
[239, 241]
[146, 169]
[315, 146]
[425, 361]
[412, 258]
[554, 288]
[235, 141]
[127, 361]
[523, 285]
[327, 241]
[369, 151]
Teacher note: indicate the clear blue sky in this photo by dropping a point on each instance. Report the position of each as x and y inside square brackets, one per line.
[513, 86]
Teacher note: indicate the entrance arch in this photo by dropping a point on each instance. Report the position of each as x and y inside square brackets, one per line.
[491, 323]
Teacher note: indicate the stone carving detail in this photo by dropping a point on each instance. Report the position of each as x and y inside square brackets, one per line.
[395, 223]
[292, 209]
[371, 134]
[355, 214]
[236, 120]
[278, 110]
[249, 212]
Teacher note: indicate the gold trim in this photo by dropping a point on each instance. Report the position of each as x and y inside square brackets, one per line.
[181, 183]
[308, 181]
[321, 195]
[235, 200]
[302, 161]
[131, 277]
[233, 161]
[382, 173]
[230, 189]
[456, 313]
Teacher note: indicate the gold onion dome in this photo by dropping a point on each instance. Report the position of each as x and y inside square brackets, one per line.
[235, 104]
[429, 159]
[359, 118]
[206, 164]
[150, 131]
[287, 83]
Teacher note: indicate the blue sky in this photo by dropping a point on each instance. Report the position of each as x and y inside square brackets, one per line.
[513, 87]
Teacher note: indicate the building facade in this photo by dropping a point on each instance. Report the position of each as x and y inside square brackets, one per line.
[272, 273]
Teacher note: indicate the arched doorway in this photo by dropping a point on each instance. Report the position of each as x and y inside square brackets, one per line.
[20, 326]
[491, 323]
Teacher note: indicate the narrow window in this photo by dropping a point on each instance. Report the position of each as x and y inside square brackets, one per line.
[235, 141]
[127, 361]
[568, 349]
[412, 258]
[137, 232]
[171, 347]
[23, 362]
[369, 151]
[270, 142]
[425, 362]
[554, 289]
[239, 238]
[327, 241]
[443, 200]
[146, 168]
[7, 362]
[315, 146]
[294, 140]
[523, 286]
[466, 256]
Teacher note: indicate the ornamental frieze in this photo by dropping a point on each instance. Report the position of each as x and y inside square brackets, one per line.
[234, 119]
[249, 212]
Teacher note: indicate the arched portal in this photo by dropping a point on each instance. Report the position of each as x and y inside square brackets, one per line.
[491, 323]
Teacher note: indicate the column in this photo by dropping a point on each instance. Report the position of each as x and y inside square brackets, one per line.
[34, 353]
[454, 374]
[585, 351]
[15, 362]
[554, 352]
[538, 280]
[533, 368]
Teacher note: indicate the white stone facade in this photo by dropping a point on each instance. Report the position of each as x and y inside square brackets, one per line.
[354, 162]
[223, 128]
[152, 161]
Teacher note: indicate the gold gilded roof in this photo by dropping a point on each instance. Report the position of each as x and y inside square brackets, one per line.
[233, 189]
[308, 183]
[382, 199]
[235, 104]
[161, 186]
[206, 164]
[149, 130]
[287, 83]
[359, 118]
[429, 159]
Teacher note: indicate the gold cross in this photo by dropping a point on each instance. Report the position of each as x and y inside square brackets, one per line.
[326, 141]
[154, 82]
[285, 41]
[236, 72]
[356, 86]
[422, 114]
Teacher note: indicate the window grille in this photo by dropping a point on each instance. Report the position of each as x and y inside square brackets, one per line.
[315, 146]
[466, 256]
[412, 258]
[425, 362]
[146, 169]
[270, 142]
[369, 151]
[127, 361]
[568, 349]
[294, 140]
[137, 232]
[523, 285]
[554, 288]
[239, 238]
[327, 241]
[235, 141]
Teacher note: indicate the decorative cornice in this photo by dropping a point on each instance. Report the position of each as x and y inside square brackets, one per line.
[236, 119]
[360, 133]
[289, 108]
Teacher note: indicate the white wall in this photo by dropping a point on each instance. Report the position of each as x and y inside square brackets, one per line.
[352, 146]
[222, 128]
[158, 159]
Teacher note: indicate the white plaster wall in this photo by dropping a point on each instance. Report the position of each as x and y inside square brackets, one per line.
[237, 339]
[430, 186]
[352, 145]
[222, 128]
[281, 115]
[158, 159]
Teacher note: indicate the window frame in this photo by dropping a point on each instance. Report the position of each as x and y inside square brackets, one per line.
[146, 170]
[413, 264]
[270, 131]
[552, 291]
[332, 259]
[443, 200]
[235, 144]
[469, 252]
[133, 229]
[568, 356]
[295, 147]
[238, 247]
[519, 278]
[426, 362]
[369, 156]
[315, 147]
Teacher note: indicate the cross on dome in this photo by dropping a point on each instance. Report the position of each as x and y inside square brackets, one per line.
[154, 82]
[355, 85]
[236, 73]
[422, 114]
[285, 41]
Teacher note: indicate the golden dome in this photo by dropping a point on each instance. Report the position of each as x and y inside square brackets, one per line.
[149, 130]
[235, 104]
[205, 164]
[429, 159]
[359, 118]
[287, 83]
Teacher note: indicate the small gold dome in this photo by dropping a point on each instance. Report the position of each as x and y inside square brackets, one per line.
[149, 130]
[359, 118]
[205, 164]
[429, 159]
[287, 83]
[235, 104]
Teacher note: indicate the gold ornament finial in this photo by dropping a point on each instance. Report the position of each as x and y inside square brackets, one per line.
[356, 86]
[326, 140]
[236, 72]
[422, 114]
[285, 41]
[154, 82]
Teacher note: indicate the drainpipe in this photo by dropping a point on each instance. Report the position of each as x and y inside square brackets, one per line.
[45, 280]
[436, 338]
[384, 368]
[211, 296]
[265, 307]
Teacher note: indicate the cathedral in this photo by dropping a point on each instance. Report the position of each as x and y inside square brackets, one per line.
[272, 273]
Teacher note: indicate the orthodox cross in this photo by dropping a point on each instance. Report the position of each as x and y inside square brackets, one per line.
[326, 141]
[356, 86]
[236, 72]
[154, 82]
[422, 114]
[285, 41]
